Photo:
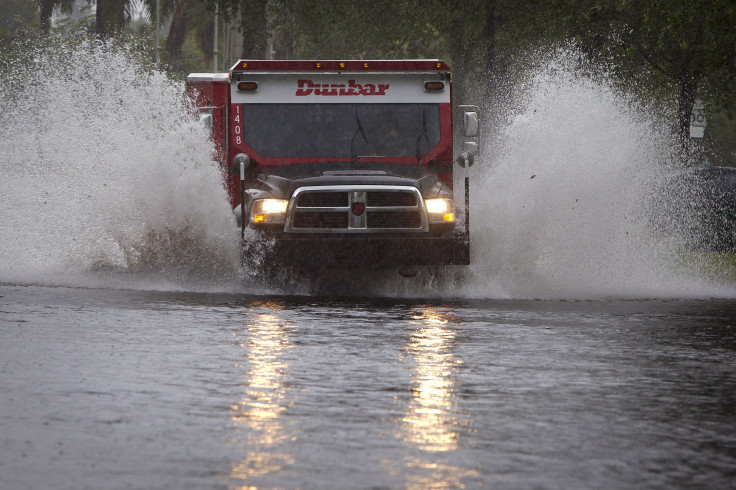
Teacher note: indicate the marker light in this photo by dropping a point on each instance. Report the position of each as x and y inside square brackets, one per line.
[440, 210]
[247, 86]
[434, 86]
[438, 65]
[342, 65]
[269, 210]
[365, 65]
[244, 65]
[318, 65]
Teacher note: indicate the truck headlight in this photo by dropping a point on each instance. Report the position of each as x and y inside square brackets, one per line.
[440, 210]
[269, 211]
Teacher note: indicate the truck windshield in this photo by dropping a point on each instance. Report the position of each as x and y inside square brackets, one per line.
[341, 130]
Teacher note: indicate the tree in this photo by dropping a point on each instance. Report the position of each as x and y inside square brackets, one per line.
[253, 22]
[46, 10]
[335, 28]
[16, 15]
[189, 15]
[177, 30]
[690, 44]
[110, 17]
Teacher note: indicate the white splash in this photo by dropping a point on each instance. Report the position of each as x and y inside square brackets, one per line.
[104, 174]
[562, 200]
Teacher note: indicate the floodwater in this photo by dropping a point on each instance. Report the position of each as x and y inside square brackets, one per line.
[578, 350]
[111, 388]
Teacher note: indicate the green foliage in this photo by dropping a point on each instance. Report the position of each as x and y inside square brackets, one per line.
[686, 47]
[17, 15]
[363, 29]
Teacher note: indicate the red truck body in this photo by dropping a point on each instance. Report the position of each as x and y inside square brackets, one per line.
[357, 155]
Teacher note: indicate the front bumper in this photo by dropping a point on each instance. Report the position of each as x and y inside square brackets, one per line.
[361, 251]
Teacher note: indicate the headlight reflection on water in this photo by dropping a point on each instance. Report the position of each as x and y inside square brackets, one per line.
[432, 421]
[260, 410]
[429, 423]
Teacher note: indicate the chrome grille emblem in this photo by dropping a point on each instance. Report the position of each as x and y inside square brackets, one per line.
[356, 209]
[357, 203]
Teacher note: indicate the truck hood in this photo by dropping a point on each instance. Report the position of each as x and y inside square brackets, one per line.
[282, 180]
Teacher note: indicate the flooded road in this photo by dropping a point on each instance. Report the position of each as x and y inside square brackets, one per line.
[105, 388]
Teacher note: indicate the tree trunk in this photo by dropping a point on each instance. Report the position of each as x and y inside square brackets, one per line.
[489, 35]
[177, 31]
[109, 18]
[255, 28]
[489, 57]
[47, 8]
[461, 52]
[205, 37]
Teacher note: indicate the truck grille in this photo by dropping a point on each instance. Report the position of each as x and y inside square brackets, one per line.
[356, 209]
[393, 219]
[323, 200]
[382, 199]
[317, 219]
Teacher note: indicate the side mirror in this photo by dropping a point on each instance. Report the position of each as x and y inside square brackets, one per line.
[470, 147]
[470, 124]
[471, 128]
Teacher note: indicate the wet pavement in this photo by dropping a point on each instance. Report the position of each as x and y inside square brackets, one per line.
[104, 388]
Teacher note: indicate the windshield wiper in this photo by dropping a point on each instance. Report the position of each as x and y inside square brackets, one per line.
[422, 135]
[360, 130]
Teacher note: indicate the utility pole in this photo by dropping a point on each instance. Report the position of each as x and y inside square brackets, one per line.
[158, 36]
[214, 49]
